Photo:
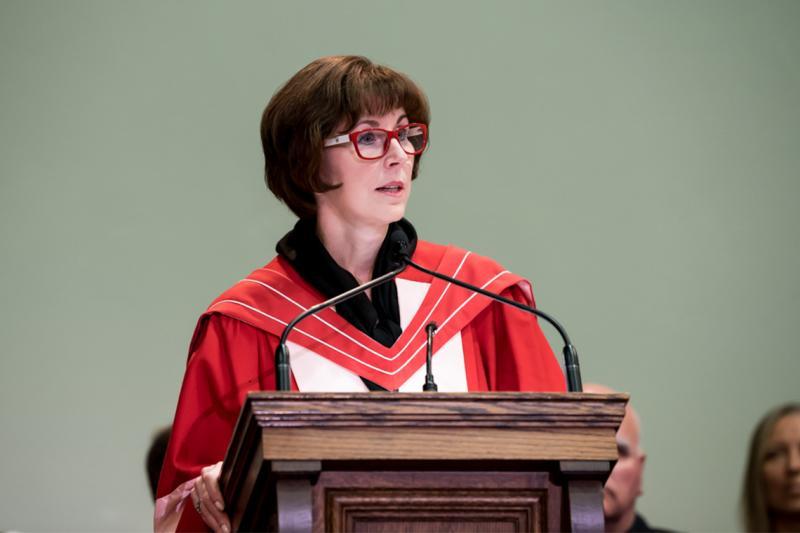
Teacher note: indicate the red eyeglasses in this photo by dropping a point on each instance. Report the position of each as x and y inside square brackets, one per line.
[373, 143]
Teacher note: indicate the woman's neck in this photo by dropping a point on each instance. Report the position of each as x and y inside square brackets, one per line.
[354, 248]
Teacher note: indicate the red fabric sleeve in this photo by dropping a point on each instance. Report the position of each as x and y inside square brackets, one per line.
[227, 359]
[515, 353]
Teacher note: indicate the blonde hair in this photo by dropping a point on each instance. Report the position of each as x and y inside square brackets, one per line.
[755, 514]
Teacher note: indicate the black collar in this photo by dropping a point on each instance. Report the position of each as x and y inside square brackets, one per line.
[378, 318]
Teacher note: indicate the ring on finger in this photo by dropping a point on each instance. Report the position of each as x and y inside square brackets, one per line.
[196, 501]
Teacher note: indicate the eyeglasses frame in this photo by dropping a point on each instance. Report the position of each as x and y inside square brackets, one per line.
[352, 137]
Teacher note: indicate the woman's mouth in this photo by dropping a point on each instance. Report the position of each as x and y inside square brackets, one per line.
[394, 187]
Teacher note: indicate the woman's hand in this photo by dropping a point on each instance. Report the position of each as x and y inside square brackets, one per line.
[207, 499]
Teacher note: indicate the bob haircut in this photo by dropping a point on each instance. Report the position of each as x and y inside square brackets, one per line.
[755, 514]
[329, 93]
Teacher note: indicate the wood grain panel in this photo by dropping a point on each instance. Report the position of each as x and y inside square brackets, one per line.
[434, 501]
[437, 409]
[427, 443]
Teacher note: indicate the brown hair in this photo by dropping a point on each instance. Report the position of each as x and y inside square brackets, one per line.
[755, 514]
[319, 98]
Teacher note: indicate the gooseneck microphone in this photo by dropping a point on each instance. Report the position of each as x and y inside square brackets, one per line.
[430, 384]
[282, 352]
[400, 245]
[571, 364]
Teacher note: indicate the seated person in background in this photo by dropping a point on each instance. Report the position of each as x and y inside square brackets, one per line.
[771, 492]
[155, 457]
[624, 484]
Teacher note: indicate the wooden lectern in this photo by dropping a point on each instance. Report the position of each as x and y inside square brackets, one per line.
[421, 461]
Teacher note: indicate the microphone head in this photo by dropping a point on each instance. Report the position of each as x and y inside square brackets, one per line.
[399, 245]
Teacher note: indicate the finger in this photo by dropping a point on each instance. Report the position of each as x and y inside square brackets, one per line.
[210, 475]
[215, 518]
[205, 508]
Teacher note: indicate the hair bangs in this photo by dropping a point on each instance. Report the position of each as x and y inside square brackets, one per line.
[376, 90]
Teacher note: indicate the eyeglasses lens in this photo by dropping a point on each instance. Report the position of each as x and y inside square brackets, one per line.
[412, 139]
[371, 143]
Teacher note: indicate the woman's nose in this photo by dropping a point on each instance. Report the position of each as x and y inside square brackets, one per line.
[793, 464]
[395, 154]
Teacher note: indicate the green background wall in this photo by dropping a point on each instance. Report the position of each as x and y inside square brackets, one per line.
[638, 160]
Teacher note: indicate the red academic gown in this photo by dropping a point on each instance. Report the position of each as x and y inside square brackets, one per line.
[488, 347]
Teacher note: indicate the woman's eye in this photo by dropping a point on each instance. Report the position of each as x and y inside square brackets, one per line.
[402, 134]
[772, 455]
[367, 138]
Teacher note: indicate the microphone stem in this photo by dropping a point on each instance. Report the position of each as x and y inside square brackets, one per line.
[430, 384]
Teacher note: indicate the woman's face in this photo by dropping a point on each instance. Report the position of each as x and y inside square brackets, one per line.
[782, 466]
[372, 192]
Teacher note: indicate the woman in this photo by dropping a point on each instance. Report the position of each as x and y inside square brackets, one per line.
[342, 141]
[771, 495]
